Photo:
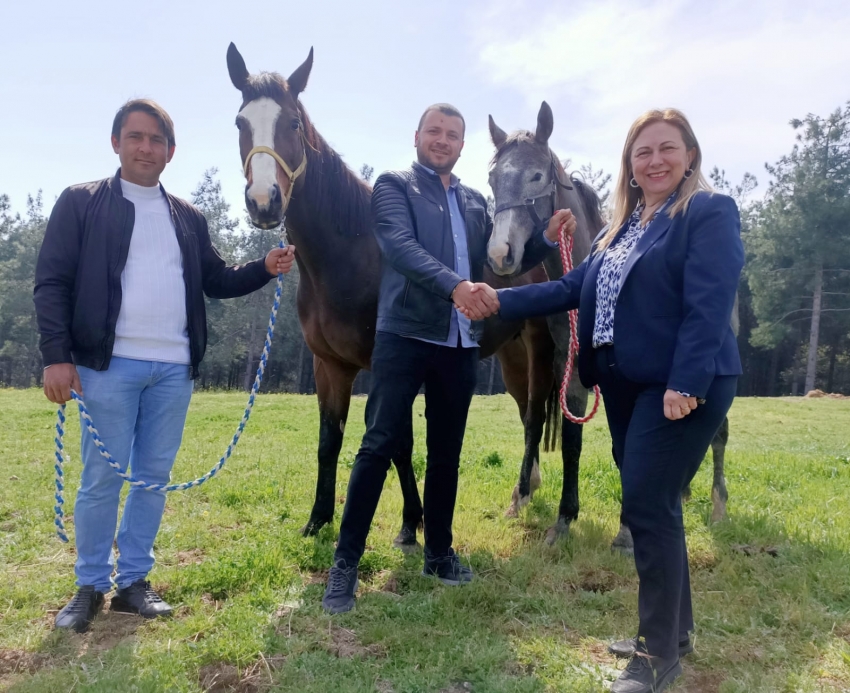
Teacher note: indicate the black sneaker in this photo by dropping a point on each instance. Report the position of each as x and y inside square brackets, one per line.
[139, 598]
[81, 610]
[447, 569]
[625, 649]
[646, 674]
[342, 584]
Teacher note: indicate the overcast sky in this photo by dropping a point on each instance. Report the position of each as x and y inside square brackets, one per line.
[739, 70]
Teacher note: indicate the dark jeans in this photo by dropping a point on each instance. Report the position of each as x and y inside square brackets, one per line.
[658, 458]
[400, 366]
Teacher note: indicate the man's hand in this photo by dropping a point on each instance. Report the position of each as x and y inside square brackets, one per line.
[59, 380]
[475, 301]
[279, 260]
[565, 218]
[677, 406]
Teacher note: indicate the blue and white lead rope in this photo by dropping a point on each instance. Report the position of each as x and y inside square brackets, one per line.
[59, 519]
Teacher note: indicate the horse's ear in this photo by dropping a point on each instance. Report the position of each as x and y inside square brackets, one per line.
[545, 124]
[498, 135]
[236, 68]
[298, 80]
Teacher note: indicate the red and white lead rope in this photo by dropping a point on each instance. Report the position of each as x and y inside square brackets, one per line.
[566, 248]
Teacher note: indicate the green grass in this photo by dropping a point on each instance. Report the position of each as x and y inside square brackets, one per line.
[247, 587]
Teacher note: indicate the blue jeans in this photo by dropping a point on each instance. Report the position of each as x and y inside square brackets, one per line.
[139, 408]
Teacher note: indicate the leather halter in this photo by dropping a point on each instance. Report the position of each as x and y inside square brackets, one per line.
[551, 193]
[292, 175]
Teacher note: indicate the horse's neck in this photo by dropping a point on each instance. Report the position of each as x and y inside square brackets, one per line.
[328, 218]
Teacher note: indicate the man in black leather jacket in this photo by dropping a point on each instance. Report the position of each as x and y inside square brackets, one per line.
[119, 298]
[433, 235]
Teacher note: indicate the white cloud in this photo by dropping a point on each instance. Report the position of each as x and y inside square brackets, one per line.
[739, 71]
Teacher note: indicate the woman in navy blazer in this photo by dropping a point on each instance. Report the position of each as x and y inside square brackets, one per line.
[655, 299]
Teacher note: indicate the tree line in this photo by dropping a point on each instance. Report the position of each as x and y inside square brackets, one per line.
[794, 296]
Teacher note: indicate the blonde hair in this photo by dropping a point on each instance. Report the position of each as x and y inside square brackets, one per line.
[626, 198]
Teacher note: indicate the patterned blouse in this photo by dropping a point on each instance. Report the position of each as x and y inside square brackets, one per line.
[609, 280]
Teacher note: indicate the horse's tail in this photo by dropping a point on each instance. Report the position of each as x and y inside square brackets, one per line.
[552, 425]
[590, 202]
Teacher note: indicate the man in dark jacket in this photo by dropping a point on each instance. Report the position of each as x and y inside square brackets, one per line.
[119, 299]
[433, 235]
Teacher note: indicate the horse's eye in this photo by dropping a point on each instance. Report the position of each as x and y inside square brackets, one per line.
[537, 176]
[295, 124]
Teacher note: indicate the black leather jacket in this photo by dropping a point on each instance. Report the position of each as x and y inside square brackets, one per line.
[410, 215]
[78, 273]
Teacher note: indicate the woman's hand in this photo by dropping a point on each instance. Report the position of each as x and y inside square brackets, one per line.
[565, 218]
[677, 406]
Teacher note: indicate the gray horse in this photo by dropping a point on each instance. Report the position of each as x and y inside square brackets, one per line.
[529, 184]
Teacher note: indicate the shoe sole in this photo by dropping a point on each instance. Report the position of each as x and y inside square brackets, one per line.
[447, 581]
[119, 606]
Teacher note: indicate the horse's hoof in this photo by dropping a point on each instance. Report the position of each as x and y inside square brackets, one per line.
[560, 530]
[512, 512]
[311, 529]
[623, 542]
[718, 511]
[406, 541]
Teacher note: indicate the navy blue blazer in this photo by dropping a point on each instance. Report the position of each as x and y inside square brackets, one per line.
[672, 320]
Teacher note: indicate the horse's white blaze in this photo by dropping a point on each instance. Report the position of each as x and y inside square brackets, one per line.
[500, 241]
[262, 114]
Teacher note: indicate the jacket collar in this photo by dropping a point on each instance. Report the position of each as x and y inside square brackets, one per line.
[657, 228]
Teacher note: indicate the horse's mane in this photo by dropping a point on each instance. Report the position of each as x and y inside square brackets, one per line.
[338, 194]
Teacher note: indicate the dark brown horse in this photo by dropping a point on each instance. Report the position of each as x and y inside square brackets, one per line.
[292, 171]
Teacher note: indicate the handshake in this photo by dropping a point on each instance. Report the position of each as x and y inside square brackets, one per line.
[476, 301]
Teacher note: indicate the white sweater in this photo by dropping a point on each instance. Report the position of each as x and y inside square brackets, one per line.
[152, 324]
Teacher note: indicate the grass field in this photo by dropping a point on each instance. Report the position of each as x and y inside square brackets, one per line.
[771, 582]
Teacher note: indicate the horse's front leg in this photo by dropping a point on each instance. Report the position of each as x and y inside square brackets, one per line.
[333, 387]
[571, 443]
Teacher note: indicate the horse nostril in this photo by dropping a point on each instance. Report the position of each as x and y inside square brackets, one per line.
[274, 194]
[509, 258]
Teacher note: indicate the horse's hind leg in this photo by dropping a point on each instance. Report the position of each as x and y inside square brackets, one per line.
[514, 362]
[411, 518]
[333, 387]
[719, 495]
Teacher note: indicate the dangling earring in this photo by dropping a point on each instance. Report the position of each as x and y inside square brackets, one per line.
[689, 173]
[633, 183]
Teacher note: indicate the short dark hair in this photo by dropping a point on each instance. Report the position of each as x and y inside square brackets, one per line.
[445, 108]
[153, 109]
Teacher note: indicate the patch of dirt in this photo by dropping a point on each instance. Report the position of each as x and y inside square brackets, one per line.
[219, 677]
[820, 394]
[22, 662]
[464, 687]
[345, 644]
[699, 682]
[750, 550]
[391, 586]
[110, 629]
[319, 578]
[382, 686]
[597, 580]
[191, 557]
